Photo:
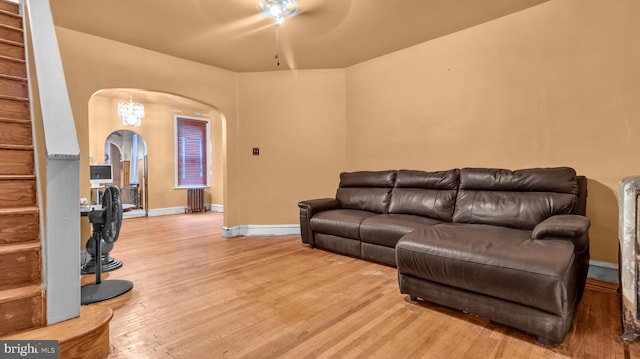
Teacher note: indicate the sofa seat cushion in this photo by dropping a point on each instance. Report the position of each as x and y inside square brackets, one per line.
[387, 229]
[339, 222]
[495, 261]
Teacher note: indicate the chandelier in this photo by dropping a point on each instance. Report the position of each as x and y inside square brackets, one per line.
[278, 10]
[132, 113]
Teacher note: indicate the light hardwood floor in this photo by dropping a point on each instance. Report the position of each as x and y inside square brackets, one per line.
[198, 295]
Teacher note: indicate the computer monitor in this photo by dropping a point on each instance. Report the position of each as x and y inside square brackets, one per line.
[100, 174]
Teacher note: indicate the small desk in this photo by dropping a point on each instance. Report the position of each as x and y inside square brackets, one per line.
[84, 210]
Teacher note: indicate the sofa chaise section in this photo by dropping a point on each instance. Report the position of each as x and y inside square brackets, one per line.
[515, 252]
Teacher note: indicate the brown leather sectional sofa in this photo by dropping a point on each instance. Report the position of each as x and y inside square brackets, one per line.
[511, 246]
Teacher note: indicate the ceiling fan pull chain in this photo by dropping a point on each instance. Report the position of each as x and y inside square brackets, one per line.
[277, 45]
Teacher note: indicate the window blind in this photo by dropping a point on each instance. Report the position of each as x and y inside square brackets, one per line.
[192, 152]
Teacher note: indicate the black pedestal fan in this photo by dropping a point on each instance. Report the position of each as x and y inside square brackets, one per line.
[106, 224]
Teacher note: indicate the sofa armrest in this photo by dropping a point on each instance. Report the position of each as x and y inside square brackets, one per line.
[574, 228]
[568, 226]
[318, 205]
[308, 209]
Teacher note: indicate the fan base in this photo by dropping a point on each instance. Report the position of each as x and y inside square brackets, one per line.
[107, 265]
[107, 289]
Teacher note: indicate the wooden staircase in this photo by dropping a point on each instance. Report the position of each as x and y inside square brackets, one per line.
[22, 297]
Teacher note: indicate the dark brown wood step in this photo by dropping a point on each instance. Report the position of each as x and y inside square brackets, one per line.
[19, 224]
[14, 86]
[12, 49]
[10, 19]
[9, 6]
[22, 308]
[11, 33]
[13, 67]
[14, 132]
[16, 193]
[15, 107]
[16, 160]
[21, 264]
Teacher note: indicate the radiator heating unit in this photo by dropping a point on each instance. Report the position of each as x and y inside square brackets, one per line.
[195, 200]
[629, 257]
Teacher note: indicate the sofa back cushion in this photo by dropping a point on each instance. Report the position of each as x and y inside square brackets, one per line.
[517, 199]
[366, 190]
[428, 194]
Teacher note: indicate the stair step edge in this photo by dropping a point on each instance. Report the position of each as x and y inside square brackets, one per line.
[19, 246]
[13, 43]
[19, 210]
[14, 120]
[9, 27]
[9, 13]
[15, 98]
[14, 78]
[20, 292]
[11, 4]
[13, 59]
[29, 177]
[16, 147]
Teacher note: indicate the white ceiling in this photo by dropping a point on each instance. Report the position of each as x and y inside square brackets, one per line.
[231, 34]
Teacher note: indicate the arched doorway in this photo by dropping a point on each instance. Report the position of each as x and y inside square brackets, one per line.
[162, 195]
[126, 151]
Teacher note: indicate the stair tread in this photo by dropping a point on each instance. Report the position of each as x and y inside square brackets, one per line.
[15, 8]
[14, 59]
[14, 120]
[19, 292]
[14, 43]
[11, 27]
[9, 13]
[16, 147]
[11, 77]
[17, 177]
[19, 246]
[14, 98]
[19, 210]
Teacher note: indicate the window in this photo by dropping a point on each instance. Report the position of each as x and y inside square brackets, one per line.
[192, 144]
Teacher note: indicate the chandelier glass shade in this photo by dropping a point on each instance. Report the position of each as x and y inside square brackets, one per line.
[132, 113]
[278, 10]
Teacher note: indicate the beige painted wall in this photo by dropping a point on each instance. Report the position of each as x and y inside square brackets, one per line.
[554, 85]
[297, 119]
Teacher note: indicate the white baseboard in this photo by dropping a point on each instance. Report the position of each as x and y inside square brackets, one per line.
[261, 230]
[166, 211]
[604, 271]
[172, 210]
[215, 208]
[134, 214]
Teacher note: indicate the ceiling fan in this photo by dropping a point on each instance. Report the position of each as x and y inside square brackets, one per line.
[279, 11]
[301, 22]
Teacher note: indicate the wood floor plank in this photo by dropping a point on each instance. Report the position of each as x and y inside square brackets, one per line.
[198, 295]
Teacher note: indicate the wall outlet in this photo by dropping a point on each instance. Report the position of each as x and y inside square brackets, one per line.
[256, 151]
